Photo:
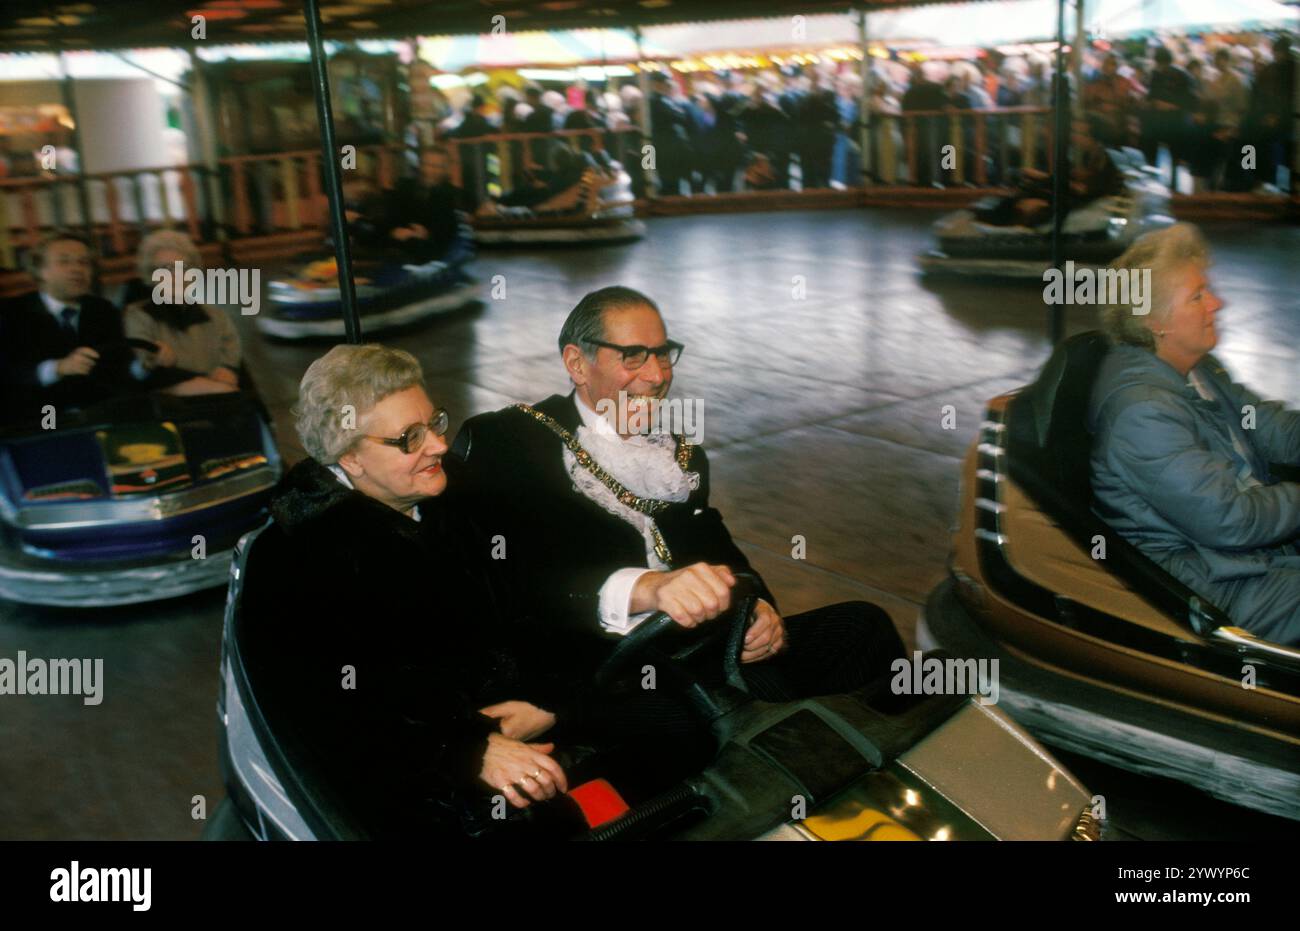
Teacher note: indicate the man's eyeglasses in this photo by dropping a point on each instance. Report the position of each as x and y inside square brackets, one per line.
[413, 437]
[635, 356]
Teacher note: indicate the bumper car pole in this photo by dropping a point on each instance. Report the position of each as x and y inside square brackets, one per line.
[1060, 149]
[83, 196]
[333, 181]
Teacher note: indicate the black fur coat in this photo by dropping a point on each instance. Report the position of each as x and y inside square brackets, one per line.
[341, 580]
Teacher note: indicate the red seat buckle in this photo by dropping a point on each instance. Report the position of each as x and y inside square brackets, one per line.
[599, 801]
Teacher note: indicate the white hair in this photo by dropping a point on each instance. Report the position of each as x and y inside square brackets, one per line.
[1163, 252]
[341, 387]
[161, 241]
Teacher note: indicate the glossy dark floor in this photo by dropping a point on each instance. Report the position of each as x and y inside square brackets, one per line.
[825, 365]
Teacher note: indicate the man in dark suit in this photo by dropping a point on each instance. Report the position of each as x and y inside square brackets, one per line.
[924, 94]
[602, 527]
[541, 119]
[421, 215]
[817, 121]
[473, 125]
[61, 345]
[670, 133]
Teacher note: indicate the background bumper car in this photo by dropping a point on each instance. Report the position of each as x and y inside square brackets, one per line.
[868, 766]
[109, 508]
[1095, 233]
[600, 207]
[391, 292]
[1113, 658]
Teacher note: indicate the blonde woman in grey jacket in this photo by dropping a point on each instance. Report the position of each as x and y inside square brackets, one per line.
[198, 346]
[1181, 454]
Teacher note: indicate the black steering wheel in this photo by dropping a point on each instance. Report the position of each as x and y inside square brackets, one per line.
[654, 631]
[115, 356]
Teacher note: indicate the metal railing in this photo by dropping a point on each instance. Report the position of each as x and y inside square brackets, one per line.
[253, 197]
[123, 206]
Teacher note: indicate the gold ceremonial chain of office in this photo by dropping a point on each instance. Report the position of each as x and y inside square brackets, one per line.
[625, 496]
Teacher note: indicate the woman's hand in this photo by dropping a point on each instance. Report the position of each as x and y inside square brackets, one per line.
[522, 772]
[164, 357]
[520, 720]
[223, 374]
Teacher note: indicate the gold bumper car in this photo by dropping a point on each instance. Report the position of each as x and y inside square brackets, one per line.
[1113, 658]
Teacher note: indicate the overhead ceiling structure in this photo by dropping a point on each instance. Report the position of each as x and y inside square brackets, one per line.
[50, 25]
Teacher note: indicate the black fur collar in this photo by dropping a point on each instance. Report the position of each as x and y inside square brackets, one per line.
[309, 492]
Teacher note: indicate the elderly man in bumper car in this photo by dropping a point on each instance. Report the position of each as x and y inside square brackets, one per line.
[1181, 453]
[604, 528]
[61, 345]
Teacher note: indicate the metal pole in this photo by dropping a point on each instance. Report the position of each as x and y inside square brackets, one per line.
[333, 180]
[1076, 59]
[200, 90]
[83, 193]
[643, 83]
[864, 104]
[1060, 171]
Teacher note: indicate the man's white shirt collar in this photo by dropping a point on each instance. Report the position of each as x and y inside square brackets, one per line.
[599, 424]
[56, 307]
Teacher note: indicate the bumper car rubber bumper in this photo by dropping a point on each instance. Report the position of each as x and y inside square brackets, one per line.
[1122, 729]
[302, 328]
[28, 580]
[539, 231]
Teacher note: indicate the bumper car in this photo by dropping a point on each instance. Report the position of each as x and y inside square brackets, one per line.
[867, 766]
[598, 208]
[1095, 233]
[1112, 657]
[391, 292]
[109, 508]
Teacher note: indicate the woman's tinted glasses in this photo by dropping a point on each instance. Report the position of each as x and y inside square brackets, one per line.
[413, 437]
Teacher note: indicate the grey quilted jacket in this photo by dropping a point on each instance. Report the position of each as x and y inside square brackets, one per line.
[1167, 475]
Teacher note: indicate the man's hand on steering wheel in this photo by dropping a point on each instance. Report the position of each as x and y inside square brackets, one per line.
[766, 635]
[690, 596]
[81, 361]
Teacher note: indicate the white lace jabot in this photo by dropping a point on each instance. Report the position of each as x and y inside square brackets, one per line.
[645, 465]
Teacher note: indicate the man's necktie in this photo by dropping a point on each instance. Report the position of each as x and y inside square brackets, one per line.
[69, 317]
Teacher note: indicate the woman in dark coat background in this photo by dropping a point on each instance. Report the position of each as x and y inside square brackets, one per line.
[376, 634]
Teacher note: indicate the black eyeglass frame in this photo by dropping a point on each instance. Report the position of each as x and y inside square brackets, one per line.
[671, 347]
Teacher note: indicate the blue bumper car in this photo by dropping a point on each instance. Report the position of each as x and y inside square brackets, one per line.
[136, 499]
[393, 291]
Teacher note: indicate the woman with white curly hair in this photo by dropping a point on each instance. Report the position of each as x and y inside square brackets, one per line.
[365, 568]
[1181, 454]
[198, 347]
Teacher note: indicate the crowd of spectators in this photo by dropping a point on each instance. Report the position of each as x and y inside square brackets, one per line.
[1188, 104]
